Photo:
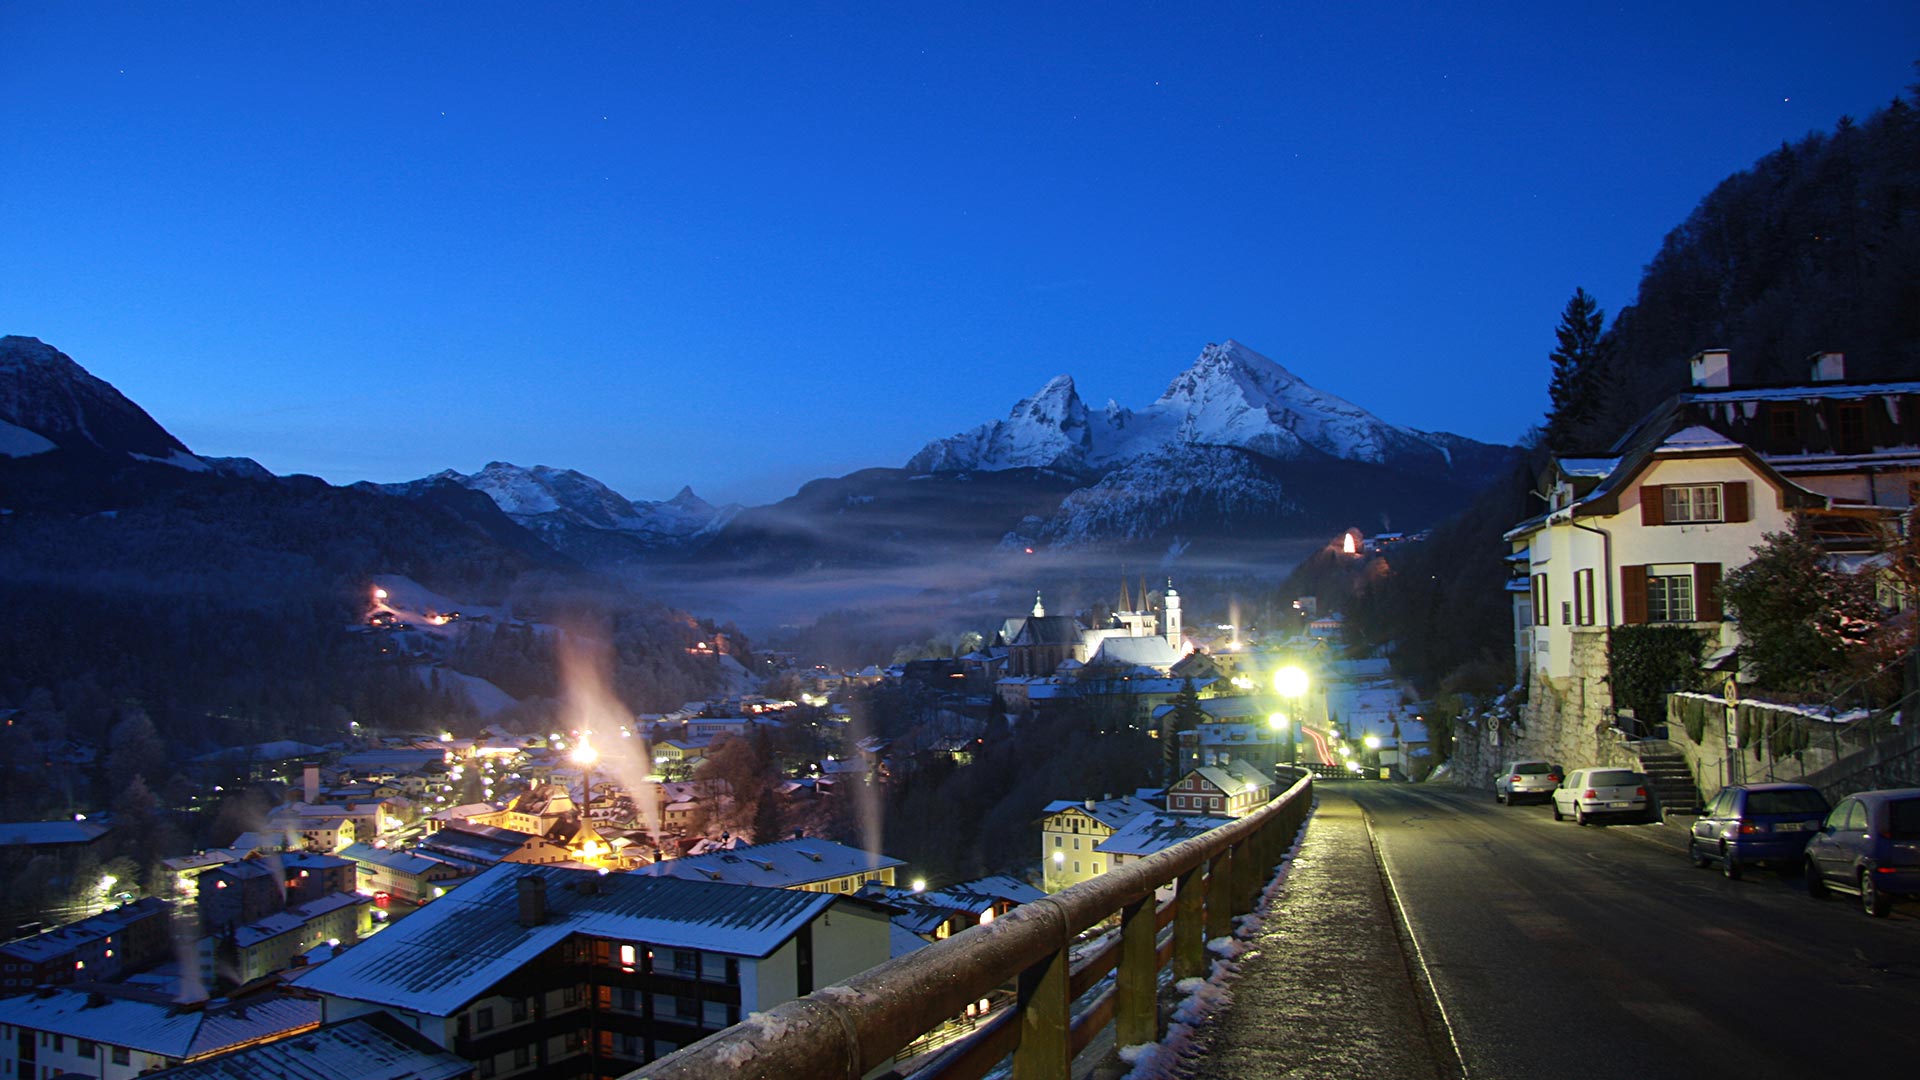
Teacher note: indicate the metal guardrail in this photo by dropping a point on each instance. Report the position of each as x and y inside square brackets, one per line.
[855, 1027]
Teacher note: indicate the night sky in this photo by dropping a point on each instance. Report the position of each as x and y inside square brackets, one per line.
[746, 245]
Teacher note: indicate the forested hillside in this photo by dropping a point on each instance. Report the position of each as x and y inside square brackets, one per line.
[1815, 248]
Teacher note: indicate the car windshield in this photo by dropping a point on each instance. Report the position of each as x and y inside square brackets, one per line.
[1903, 819]
[1533, 768]
[1785, 802]
[1611, 778]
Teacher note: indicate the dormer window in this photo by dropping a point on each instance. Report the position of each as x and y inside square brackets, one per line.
[1686, 503]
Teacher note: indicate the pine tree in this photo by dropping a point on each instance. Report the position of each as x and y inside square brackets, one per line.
[1578, 364]
[1186, 715]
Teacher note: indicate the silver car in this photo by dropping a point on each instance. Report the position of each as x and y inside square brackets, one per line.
[1590, 794]
[1522, 780]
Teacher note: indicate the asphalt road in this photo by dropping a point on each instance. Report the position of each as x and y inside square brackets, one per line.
[1562, 951]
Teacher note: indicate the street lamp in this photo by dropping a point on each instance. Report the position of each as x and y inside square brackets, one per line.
[1290, 682]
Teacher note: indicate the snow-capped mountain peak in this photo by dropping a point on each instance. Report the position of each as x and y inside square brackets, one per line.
[1053, 428]
[48, 400]
[1230, 396]
[549, 499]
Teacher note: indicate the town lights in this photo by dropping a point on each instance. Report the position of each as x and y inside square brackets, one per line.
[1373, 742]
[379, 594]
[919, 884]
[1290, 681]
[1277, 721]
[585, 754]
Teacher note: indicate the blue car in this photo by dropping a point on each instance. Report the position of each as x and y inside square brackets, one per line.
[1870, 847]
[1753, 824]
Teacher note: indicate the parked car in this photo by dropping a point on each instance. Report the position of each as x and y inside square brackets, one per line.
[1868, 846]
[1525, 780]
[1591, 794]
[1753, 824]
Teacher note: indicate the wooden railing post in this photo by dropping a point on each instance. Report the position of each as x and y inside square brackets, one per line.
[1046, 1018]
[1246, 874]
[1189, 926]
[1220, 894]
[1136, 1016]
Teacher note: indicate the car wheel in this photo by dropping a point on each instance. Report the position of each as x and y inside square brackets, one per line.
[1816, 885]
[1579, 814]
[1875, 902]
[1730, 863]
[1499, 798]
[1557, 815]
[1693, 853]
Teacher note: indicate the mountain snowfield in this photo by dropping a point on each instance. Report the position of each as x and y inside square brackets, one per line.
[1231, 396]
[554, 501]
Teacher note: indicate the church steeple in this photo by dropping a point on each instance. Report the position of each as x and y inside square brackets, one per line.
[1126, 601]
[1039, 609]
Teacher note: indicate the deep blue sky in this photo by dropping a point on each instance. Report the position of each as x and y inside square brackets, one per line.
[751, 244]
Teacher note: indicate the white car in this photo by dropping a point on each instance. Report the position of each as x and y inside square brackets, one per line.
[1590, 794]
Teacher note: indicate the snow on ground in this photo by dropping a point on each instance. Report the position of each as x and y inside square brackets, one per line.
[16, 441]
[488, 699]
[1202, 999]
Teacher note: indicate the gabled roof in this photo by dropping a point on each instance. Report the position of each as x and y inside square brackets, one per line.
[50, 832]
[1152, 652]
[294, 918]
[49, 944]
[779, 865]
[1112, 813]
[455, 949]
[1050, 630]
[1233, 778]
[1149, 833]
[152, 1023]
[370, 1047]
[406, 862]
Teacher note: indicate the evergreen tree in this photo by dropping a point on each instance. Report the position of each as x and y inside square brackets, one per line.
[1576, 388]
[1186, 715]
[1800, 618]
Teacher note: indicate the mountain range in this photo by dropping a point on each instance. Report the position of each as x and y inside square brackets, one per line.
[1238, 450]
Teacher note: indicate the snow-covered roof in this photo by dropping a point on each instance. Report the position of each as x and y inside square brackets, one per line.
[370, 1047]
[1149, 833]
[782, 864]
[1589, 467]
[294, 918]
[49, 944]
[1112, 813]
[463, 811]
[406, 862]
[1233, 778]
[1153, 652]
[151, 1022]
[14, 833]
[1695, 438]
[454, 950]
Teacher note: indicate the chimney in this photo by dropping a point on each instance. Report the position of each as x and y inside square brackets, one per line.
[1828, 366]
[1710, 369]
[311, 784]
[1089, 804]
[533, 899]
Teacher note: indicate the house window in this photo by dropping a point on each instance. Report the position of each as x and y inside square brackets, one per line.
[1850, 428]
[86, 1048]
[1783, 427]
[519, 1010]
[122, 1056]
[1670, 598]
[1583, 597]
[1691, 503]
[1076, 866]
[521, 1057]
[483, 1020]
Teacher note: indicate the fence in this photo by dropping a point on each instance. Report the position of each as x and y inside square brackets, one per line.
[853, 1028]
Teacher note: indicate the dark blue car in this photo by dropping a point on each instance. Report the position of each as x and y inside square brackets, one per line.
[1870, 847]
[1753, 824]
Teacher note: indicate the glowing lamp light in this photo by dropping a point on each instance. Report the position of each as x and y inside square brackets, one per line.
[1290, 681]
[379, 594]
[1373, 742]
[1277, 721]
[919, 884]
[1058, 858]
[585, 754]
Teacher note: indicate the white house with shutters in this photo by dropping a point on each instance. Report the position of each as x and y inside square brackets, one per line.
[1646, 535]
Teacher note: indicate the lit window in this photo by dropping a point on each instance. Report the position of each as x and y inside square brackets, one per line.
[1670, 599]
[626, 957]
[1700, 502]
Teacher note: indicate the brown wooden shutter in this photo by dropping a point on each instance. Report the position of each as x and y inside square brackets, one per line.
[1733, 501]
[1633, 594]
[1653, 504]
[1706, 592]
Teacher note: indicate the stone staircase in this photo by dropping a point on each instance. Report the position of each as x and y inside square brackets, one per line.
[1672, 779]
